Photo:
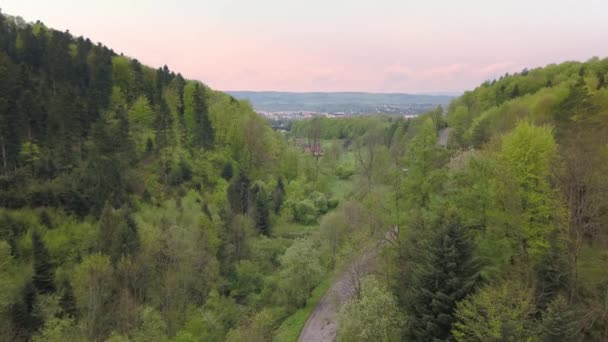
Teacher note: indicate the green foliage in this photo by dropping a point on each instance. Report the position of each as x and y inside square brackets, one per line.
[300, 272]
[305, 212]
[9, 288]
[422, 159]
[44, 270]
[497, 313]
[528, 153]
[138, 205]
[60, 329]
[278, 195]
[118, 236]
[92, 281]
[227, 171]
[150, 326]
[238, 193]
[559, 321]
[444, 274]
[374, 316]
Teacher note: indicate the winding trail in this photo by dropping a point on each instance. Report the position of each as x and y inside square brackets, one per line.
[322, 324]
[444, 134]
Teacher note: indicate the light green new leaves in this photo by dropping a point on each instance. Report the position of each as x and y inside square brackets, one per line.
[525, 161]
[372, 317]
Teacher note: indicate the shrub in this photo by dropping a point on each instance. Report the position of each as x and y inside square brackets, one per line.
[320, 202]
[305, 212]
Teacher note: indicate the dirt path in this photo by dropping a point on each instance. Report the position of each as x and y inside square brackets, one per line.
[444, 133]
[322, 325]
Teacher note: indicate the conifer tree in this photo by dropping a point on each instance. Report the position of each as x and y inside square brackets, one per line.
[22, 313]
[227, 171]
[238, 193]
[559, 321]
[204, 135]
[44, 271]
[261, 214]
[445, 275]
[279, 195]
[68, 301]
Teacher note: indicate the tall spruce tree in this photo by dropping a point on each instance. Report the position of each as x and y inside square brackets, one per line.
[559, 321]
[260, 210]
[23, 318]
[445, 274]
[204, 135]
[278, 195]
[68, 301]
[238, 193]
[44, 271]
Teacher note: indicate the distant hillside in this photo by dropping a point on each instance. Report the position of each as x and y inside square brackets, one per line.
[350, 102]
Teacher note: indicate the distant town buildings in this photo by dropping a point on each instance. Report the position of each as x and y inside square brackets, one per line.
[407, 111]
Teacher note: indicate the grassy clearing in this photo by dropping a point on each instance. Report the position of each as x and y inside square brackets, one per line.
[290, 330]
[293, 230]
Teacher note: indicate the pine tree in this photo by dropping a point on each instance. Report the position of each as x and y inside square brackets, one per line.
[23, 318]
[577, 103]
[552, 273]
[445, 275]
[261, 213]
[238, 193]
[68, 301]
[9, 139]
[559, 321]
[279, 195]
[515, 92]
[44, 271]
[126, 240]
[227, 171]
[601, 81]
[204, 135]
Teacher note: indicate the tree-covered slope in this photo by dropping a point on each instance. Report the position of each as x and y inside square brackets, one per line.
[500, 236]
[136, 204]
[506, 238]
[79, 123]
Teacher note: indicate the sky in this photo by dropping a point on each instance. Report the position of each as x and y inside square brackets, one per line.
[423, 46]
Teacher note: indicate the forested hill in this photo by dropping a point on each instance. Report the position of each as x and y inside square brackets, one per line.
[570, 96]
[113, 186]
[136, 205]
[502, 234]
[78, 119]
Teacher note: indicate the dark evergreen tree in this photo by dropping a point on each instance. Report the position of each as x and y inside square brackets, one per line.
[23, 319]
[9, 116]
[204, 135]
[128, 239]
[100, 86]
[515, 91]
[44, 271]
[227, 171]
[552, 273]
[180, 83]
[163, 124]
[601, 80]
[444, 274]
[118, 235]
[278, 195]
[68, 301]
[577, 103]
[238, 193]
[559, 322]
[260, 211]
[45, 219]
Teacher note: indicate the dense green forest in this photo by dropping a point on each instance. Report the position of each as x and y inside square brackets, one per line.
[502, 234]
[141, 206]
